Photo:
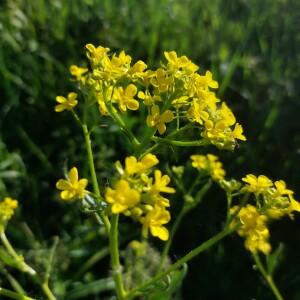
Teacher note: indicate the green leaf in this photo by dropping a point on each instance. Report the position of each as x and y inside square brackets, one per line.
[274, 259]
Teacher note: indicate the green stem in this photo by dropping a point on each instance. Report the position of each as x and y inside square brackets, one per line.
[180, 143]
[26, 268]
[170, 240]
[229, 200]
[267, 277]
[158, 144]
[47, 291]
[13, 295]
[18, 258]
[88, 145]
[96, 188]
[13, 281]
[204, 246]
[123, 126]
[185, 209]
[115, 259]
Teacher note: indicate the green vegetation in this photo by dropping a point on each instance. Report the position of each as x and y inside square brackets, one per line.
[251, 48]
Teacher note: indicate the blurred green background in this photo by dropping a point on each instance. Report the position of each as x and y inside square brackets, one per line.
[252, 48]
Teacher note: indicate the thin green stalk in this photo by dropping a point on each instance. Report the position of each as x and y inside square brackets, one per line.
[267, 277]
[168, 244]
[115, 259]
[158, 144]
[47, 291]
[229, 200]
[180, 143]
[123, 126]
[19, 259]
[204, 246]
[45, 284]
[26, 268]
[88, 145]
[13, 295]
[96, 188]
[185, 209]
[193, 185]
[12, 280]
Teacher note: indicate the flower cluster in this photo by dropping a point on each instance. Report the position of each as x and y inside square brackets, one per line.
[72, 187]
[274, 199]
[209, 163]
[136, 193]
[253, 227]
[7, 209]
[174, 91]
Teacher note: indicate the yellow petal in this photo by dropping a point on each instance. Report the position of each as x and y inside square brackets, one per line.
[60, 107]
[155, 110]
[67, 195]
[82, 183]
[170, 56]
[160, 232]
[161, 128]
[73, 175]
[61, 99]
[132, 104]
[62, 184]
[72, 96]
[131, 90]
[167, 116]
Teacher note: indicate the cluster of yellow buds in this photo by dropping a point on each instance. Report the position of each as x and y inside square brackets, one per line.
[209, 163]
[136, 193]
[174, 91]
[7, 209]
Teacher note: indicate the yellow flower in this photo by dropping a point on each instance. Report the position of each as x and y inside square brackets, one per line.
[133, 166]
[197, 113]
[66, 103]
[176, 63]
[77, 72]
[125, 98]
[237, 132]
[117, 67]
[281, 189]
[157, 120]
[121, 60]
[294, 206]
[154, 220]
[96, 55]
[207, 81]
[209, 163]
[148, 99]
[137, 70]
[122, 197]
[253, 227]
[7, 209]
[161, 80]
[257, 185]
[161, 183]
[181, 101]
[227, 115]
[72, 187]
